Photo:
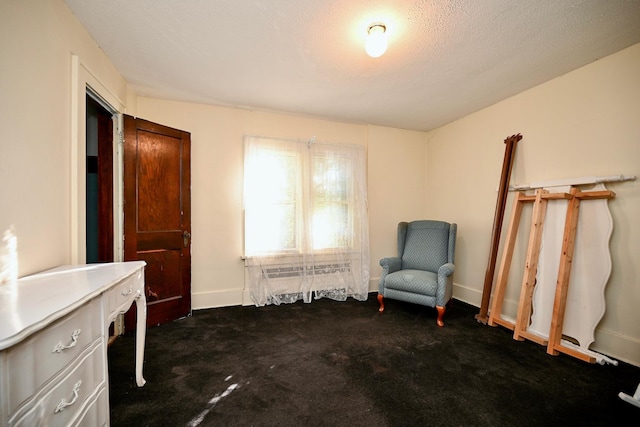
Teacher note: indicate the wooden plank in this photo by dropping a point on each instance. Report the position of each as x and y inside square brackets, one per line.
[574, 353]
[497, 225]
[557, 196]
[528, 198]
[534, 337]
[505, 263]
[531, 265]
[602, 194]
[503, 322]
[564, 274]
[546, 196]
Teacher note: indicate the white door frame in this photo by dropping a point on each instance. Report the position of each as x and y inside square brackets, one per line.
[84, 82]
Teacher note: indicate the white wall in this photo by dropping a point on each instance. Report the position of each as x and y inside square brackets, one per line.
[37, 41]
[584, 123]
[397, 174]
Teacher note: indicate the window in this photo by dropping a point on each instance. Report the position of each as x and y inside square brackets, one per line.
[306, 226]
[299, 198]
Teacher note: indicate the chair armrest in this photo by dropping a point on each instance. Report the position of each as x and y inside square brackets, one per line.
[445, 284]
[391, 264]
[446, 270]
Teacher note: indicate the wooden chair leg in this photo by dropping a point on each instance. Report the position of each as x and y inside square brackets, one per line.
[441, 311]
[381, 302]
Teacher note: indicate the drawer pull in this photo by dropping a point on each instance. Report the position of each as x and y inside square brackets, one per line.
[126, 293]
[63, 403]
[74, 340]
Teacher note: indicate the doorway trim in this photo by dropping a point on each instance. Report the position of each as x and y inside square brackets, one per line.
[84, 82]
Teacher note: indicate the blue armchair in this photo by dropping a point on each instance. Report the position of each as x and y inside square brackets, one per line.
[422, 273]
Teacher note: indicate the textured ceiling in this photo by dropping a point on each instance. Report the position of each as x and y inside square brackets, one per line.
[445, 59]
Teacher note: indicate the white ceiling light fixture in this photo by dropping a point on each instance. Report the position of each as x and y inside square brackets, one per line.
[376, 40]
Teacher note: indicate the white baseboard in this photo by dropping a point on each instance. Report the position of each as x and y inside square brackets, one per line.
[466, 294]
[373, 284]
[214, 299]
[616, 346]
[246, 297]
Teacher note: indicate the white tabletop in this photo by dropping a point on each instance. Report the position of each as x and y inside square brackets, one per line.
[33, 302]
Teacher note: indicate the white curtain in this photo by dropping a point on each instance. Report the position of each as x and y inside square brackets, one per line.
[306, 223]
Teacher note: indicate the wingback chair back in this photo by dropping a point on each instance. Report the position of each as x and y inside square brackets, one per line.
[422, 273]
[425, 245]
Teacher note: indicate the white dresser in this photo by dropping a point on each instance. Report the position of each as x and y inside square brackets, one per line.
[53, 342]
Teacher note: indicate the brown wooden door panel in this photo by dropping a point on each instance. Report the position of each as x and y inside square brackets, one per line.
[167, 240]
[159, 198]
[157, 182]
[163, 276]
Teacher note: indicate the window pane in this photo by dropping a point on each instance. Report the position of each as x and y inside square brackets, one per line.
[330, 204]
[270, 204]
[330, 222]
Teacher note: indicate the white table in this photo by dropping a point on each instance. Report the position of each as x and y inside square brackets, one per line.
[53, 342]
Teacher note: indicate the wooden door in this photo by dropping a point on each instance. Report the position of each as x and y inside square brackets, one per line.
[157, 215]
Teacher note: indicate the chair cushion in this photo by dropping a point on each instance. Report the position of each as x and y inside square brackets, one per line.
[415, 281]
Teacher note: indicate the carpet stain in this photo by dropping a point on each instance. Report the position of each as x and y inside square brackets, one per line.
[212, 403]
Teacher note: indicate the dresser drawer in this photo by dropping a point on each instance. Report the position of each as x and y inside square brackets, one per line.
[97, 412]
[121, 296]
[69, 397]
[41, 356]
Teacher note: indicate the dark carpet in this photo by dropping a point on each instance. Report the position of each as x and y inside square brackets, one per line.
[343, 364]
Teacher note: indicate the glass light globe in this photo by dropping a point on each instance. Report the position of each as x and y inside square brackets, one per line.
[376, 41]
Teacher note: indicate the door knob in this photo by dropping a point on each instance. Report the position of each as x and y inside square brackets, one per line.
[185, 237]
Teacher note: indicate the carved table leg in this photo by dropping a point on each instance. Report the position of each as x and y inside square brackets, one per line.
[381, 302]
[141, 331]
